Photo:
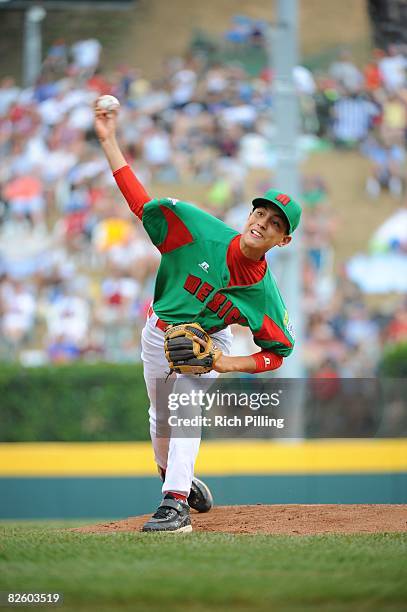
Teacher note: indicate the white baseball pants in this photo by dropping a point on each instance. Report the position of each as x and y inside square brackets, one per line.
[176, 455]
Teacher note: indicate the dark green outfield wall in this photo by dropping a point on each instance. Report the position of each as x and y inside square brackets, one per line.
[62, 498]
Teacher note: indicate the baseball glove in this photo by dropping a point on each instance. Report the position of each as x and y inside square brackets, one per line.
[184, 354]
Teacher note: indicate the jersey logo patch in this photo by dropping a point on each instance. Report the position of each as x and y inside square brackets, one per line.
[173, 201]
[283, 199]
[205, 266]
[288, 325]
[270, 331]
[289, 328]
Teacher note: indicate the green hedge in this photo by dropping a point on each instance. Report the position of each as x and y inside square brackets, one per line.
[394, 362]
[81, 402]
[100, 402]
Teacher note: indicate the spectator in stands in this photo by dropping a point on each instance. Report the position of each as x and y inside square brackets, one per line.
[396, 330]
[86, 56]
[183, 84]
[393, 69]
[17, 305]
[345, 73]
[68, 317]
[25, 197]
[325, 96]
[9, 93]
[157, 149]
[352, 119]
[386, 171]
[56, 59]
[372, 73]
[394, 119]
[306, 88]
[61, 349]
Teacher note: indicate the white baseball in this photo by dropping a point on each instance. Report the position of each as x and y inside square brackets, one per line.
[108, 103]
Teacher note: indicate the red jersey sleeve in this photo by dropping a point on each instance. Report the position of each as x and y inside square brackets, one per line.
[133, 191]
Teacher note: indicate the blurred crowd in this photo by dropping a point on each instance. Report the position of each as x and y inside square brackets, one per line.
[77, 269]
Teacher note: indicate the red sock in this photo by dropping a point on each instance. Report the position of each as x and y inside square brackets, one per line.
[179, 496]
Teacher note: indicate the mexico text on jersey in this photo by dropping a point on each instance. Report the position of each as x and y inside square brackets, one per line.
[194, 282]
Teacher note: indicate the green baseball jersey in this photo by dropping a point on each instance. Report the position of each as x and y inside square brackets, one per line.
[193, 278]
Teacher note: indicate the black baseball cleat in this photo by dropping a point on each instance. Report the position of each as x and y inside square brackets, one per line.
[200, 497]
[171, 516]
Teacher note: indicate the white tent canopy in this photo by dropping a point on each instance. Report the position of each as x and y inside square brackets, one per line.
[384, 270]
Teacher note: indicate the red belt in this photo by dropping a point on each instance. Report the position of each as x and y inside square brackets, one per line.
[162, 325]
[159, 323]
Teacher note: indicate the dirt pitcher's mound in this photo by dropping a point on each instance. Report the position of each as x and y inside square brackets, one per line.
[283, 519]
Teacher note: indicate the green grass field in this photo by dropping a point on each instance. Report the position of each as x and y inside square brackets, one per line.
[200, 572]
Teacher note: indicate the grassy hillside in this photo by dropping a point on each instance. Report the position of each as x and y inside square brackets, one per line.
[358, 216]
